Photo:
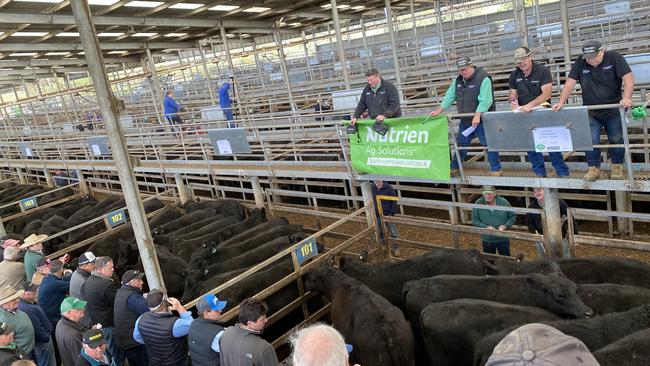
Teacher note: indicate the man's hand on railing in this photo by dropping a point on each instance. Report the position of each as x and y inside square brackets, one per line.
[436, 112]
[557, 106]
[626, 103]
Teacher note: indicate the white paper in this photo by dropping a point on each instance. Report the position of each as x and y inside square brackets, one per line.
[469, 131]
[224, 147]
[96, 150]
[518, 110]
[552, 139]
[28, 152]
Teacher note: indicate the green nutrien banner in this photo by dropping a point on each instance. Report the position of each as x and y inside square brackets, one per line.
[411, 148]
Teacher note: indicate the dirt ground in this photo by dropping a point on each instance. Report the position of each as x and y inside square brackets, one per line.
[444, 238]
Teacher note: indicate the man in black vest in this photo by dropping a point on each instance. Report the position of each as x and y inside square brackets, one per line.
[601, 74]
[472, 91]
[99, 291]
[129, 305]
[162, 332]
[531, 85]
[379, 98]
[206, 331]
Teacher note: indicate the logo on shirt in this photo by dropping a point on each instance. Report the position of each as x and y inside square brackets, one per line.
[382, 92]
[534, 81]
[608, 67]
[471, 86]
[368, 93]
[519, 80]
[586, 71]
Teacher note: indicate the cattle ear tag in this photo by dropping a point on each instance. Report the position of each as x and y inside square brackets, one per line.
[214, 250]
[205, 271]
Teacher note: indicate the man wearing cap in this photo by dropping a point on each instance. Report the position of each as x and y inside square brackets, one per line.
[34, 246]
[531, 85]
[241, 344]
[9, 313]
[69, 329]
[162, 332]
[9, 352]
[93, 352]
[600, 74]
[80, 275]
[53, 290]
[12, 272]
[99, 291]
[42, 270]
[494, 219]
[129, 305]
[6, 243]
[472, 91]
[43, 347]
[379, 98]
[540, 344]
[206, 331]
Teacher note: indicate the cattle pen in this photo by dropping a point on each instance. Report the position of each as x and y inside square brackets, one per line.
[255, 179]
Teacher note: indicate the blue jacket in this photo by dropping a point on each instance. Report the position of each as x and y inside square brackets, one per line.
[170, 106]
[51, 294]
[389, 207]
[42, 326]
[224, 97]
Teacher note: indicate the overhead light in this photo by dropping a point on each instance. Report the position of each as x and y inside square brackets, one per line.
[143, 4]
[342, 7]
[245, 35]
[189, 6]
[282, 24]
[256, 9]
[359, 7]
[110, 34]
[81, 53]
[230, 35]
[144, 34]
[326, 6]
[224, 7]
[18, 54]
[296, 24]
[67, 34]
[39, 1]
[29, 34]
[117, 52]
[102, 2]
[56, 53]
[175, 34]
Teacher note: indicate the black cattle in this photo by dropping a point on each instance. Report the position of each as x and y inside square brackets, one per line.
[172, 268]
[226, 207]
[33, 227]
[91, 212]
[376, 328]
[605, 298]
[506, 266]
[449, 329]
[387, 279]
[595, 333]
[185, 247]
[184, 221]
[166, 215]
[631, 350]
[623, 271]
[552, 293]
[54, 224]
[55, 196]
[264, 230]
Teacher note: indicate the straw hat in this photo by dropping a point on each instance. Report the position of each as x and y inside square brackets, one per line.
[9, 293]
[33, 239]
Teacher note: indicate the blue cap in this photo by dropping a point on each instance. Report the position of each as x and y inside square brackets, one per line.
[349, 347]
[210, 302]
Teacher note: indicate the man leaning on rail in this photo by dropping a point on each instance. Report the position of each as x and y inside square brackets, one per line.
[473, 93]
[379, 98]
[600, 74]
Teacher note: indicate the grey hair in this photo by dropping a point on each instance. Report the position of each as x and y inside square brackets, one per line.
[102, 262]
[11, 253]
[56, 266]
[318, 345]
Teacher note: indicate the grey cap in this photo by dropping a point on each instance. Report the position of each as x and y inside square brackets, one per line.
[540, 345]
[591, 48]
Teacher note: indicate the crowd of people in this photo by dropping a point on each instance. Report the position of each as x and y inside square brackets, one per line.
[601, 74]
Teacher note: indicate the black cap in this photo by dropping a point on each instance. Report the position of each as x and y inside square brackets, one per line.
[591, 48]
[94, 338]
[463, 62]
[28, 286]
[155, 298]
[128, 276]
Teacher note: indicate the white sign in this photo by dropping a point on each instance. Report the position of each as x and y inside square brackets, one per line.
[468, 131]
[224, 147]
[552, 139]
[96, 150]
[28, 152]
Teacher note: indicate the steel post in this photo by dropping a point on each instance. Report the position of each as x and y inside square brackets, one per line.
[207, 75]
[519, 8]
[283, 66]
[83, 186]
[182, 188]
[231, 68]
[306, 50]
[3, 232]
[339, 43]
[48, 178]
[622, 200]
[441, 32]
[258, 193]
[109, 108]
[393, 42]
[364, 37]
[21, 177]
[156, 90]
[553, 233]
[368, 201]
[566, 32]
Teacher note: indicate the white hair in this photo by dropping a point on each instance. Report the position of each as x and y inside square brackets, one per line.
[11, 253]
[318, 345]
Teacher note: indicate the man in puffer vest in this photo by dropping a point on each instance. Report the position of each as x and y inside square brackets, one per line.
[206, 331]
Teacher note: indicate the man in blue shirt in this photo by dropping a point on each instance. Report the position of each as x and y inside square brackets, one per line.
[53, 290]
[171, 108]
[162, 332]
[226, 103]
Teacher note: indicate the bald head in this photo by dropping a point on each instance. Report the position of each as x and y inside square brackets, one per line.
[319, 345]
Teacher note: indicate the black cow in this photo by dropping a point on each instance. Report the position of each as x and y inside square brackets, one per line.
[623, 271]
[631, 350]
[172, 268]
[376, 328]
[387, 279]
[605, 298]
[595, 333]
[166, 215]
[450, 328]
[184, 247]
[553, 293]
[184, 221]
[226, 207]
[264, 230]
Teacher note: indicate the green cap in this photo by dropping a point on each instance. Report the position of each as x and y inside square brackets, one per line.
[70, 303]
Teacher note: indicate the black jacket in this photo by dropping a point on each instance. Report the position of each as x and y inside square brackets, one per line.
[385, 101]
[125, 319]
[162, 347]
[534, 221]
[202, 332]
[100, 293]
